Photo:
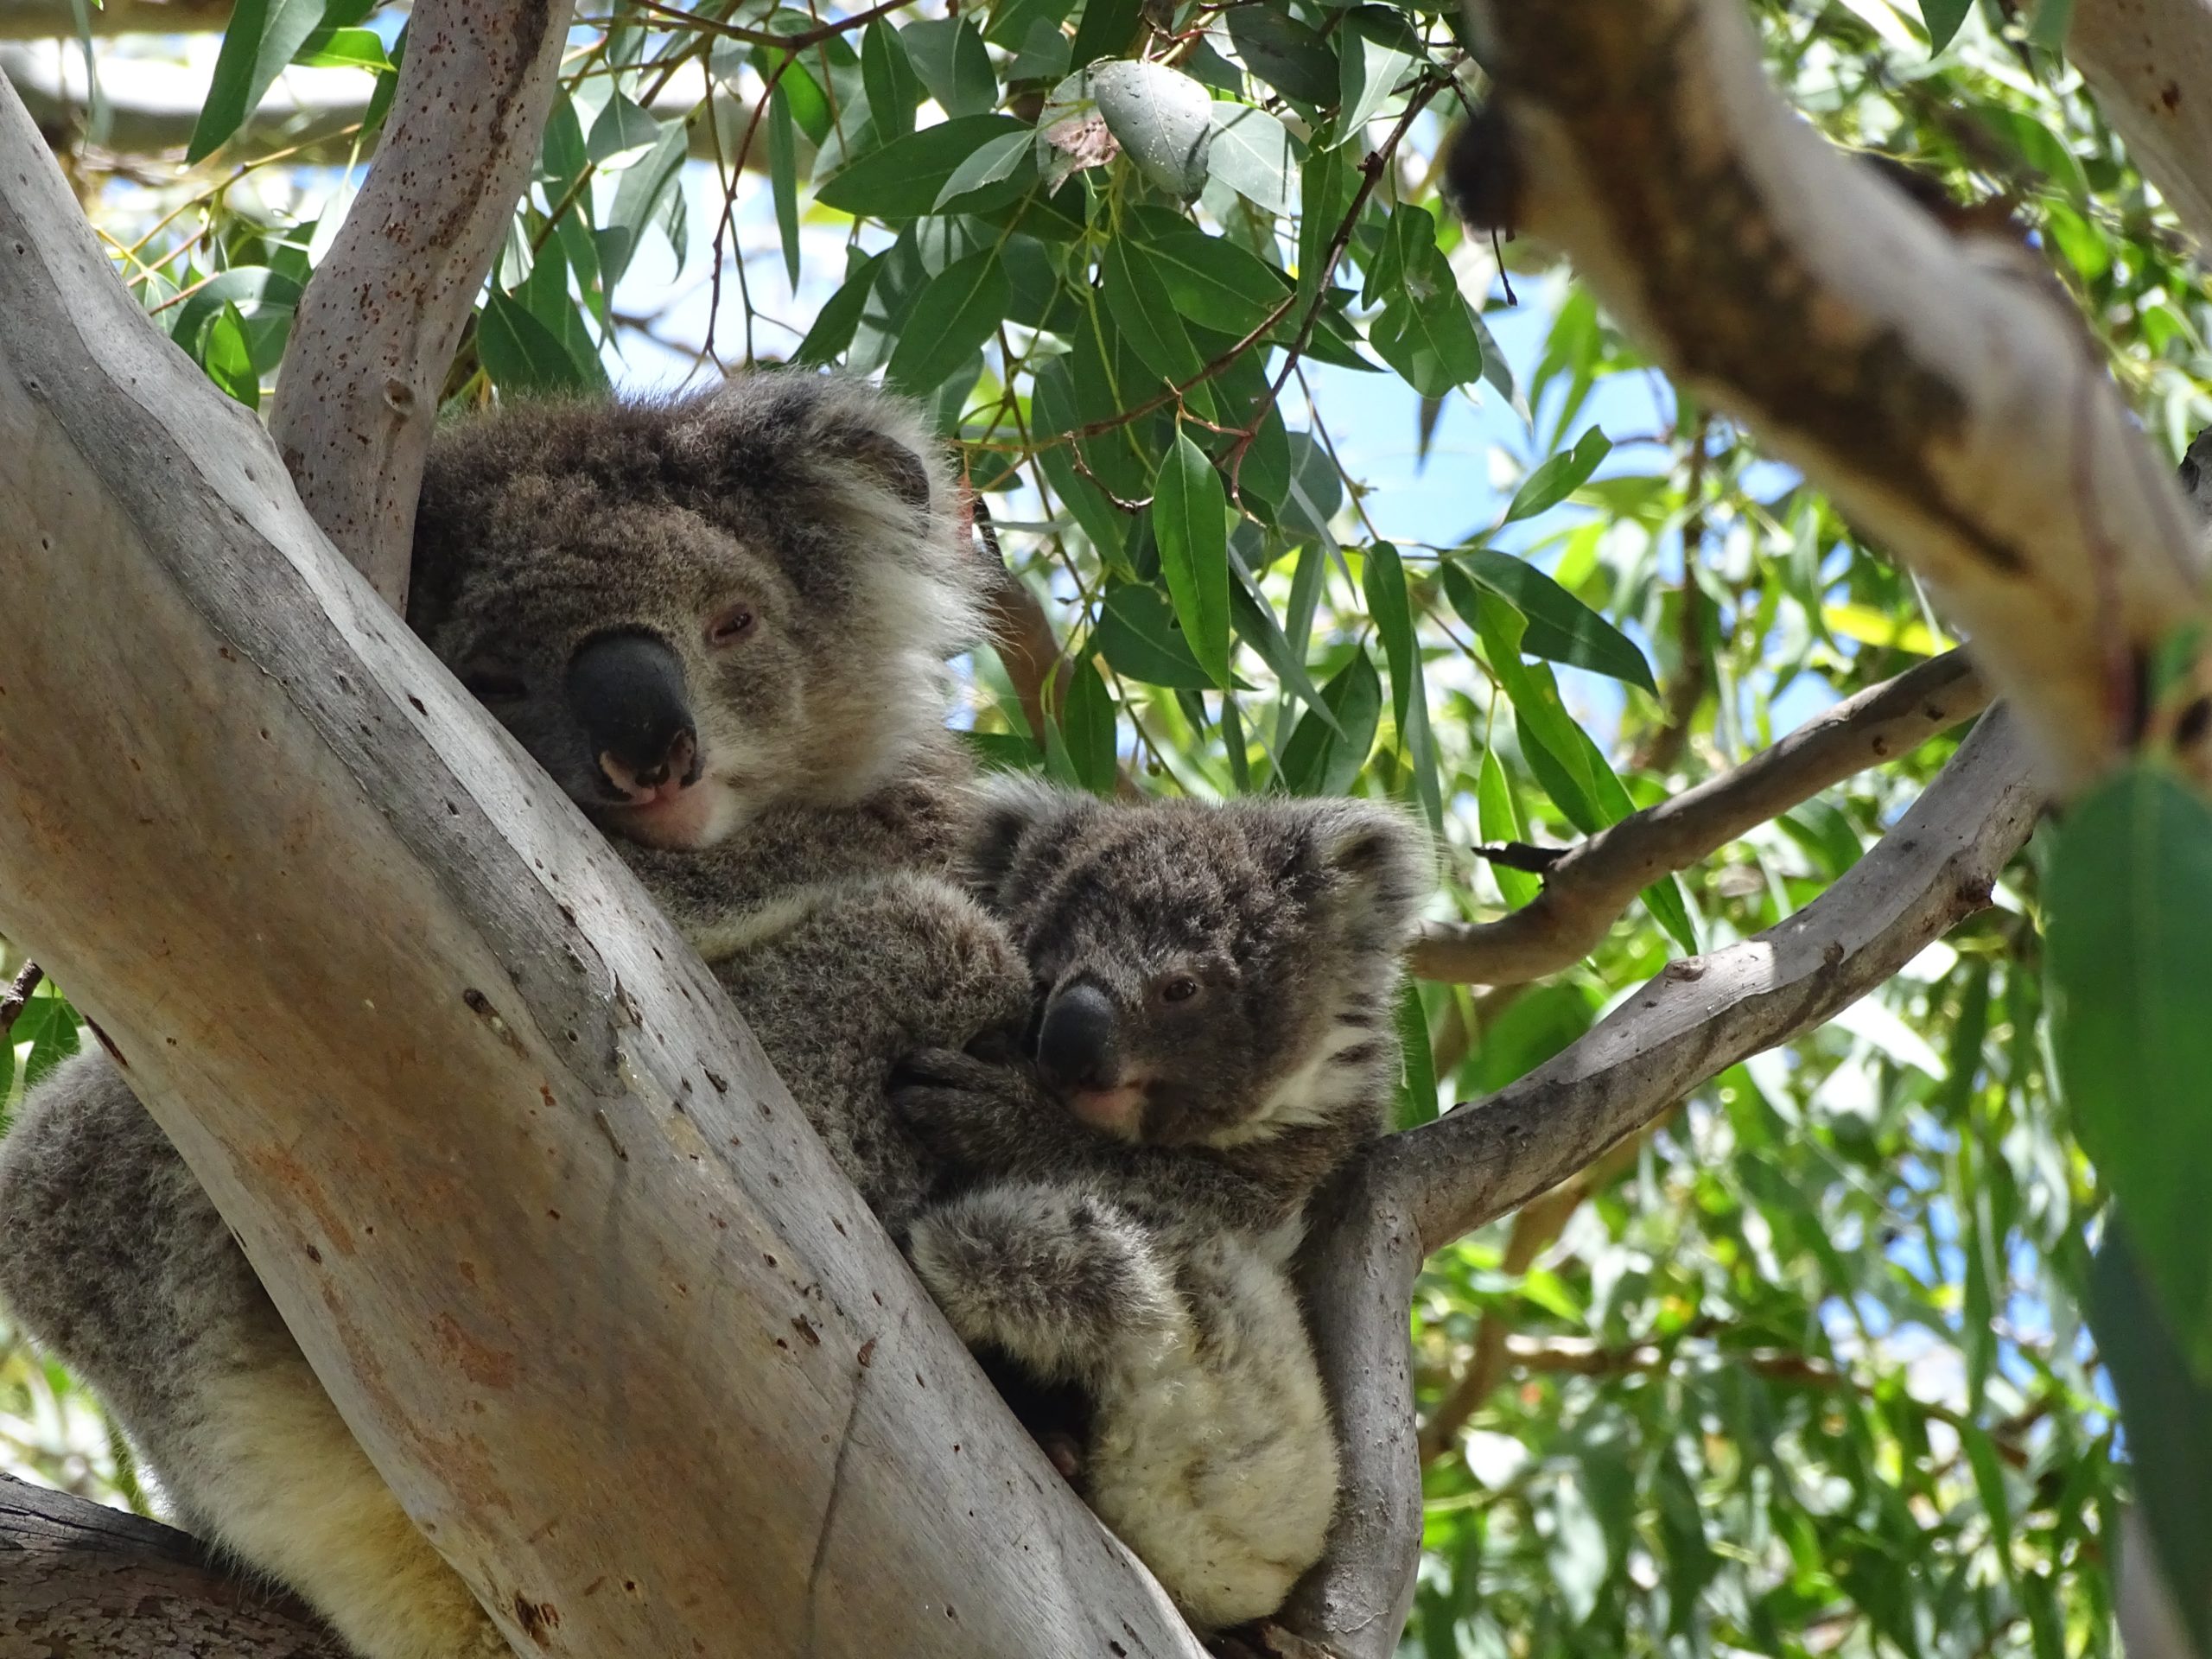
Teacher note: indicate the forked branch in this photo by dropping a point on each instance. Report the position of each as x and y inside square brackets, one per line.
[383, 313]
[1417, 1192]
[1589, 887]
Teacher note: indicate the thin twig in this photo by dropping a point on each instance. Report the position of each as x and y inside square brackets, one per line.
[19, 996]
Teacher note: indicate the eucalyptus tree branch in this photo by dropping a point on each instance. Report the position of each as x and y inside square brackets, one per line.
[1416, 1191]
[1939, 387]
[76, 1577]
[2148, 62]
[588, 1291]
[1588, 887]
[1705, 1013]
[383, 315]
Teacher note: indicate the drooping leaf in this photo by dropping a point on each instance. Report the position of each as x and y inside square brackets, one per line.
[840, 314]
[227, 358]
[1561, 628]
[1559, 476]
[888, 74]
[263, 36]
[1137, 634]
[1284, 52]
[2128, 898]
[783, 176]
[948, 57]
[902, 178]
[960, 309]
[1942, 18]
[1324, 760]
[1190, 520]
[1376, 51]
[1385, 582]
[520, 353]
[1253, 154]
[1087, 723]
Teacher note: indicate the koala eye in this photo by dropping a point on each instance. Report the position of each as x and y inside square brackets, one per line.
[1177, 988]
[730, 626]
[492, 686]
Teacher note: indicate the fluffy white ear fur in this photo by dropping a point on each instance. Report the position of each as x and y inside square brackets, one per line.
[1385, 861]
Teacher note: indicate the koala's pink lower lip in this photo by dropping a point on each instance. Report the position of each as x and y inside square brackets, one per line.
[1114, 1110]
[680, 819]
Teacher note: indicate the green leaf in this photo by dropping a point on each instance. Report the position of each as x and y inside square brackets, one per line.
[342, 49]
[887, 74]
[902, 178]
[1560, 477]
[2128, 898]
[1499, 819]
[1144, 313]
[1253, 156]
[960, 309]
[1384, 581]
[948, 55]
[997, 159]
[1316, 492]
[1136, 633]
[783, 178]
[1087, 723]
[645, 188]
[1319, 760]
[1942, 18]
[1105, 30]
[1162, 119]
[1190, 520]
[840, 314]
[1257, 627]
[1561, 628]
[623, 127]
[1215, 284]
[263, 36]
[520, 353]
[1417, 1064]
[1427, 332]
[2167, 1410]
[1284, 52]
[229, 362]
[1377, 49]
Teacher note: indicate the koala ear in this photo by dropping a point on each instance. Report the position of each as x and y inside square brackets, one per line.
[882, 456]
[1381, 867]
[1018, 816]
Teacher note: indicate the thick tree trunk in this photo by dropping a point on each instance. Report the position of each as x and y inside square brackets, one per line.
[79, 1579]
[591, 1295]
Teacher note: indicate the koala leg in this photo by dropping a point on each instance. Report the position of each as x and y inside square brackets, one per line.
[1066, 1285]
[1214, 1458]
[1209, 1450]
[118, 1265]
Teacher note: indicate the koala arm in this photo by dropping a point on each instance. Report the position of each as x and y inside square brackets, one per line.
[985, 1117]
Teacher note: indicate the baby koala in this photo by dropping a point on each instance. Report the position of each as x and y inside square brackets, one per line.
[1215, 1035]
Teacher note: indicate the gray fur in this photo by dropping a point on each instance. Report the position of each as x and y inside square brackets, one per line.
[1148, 1266]
[814, 881]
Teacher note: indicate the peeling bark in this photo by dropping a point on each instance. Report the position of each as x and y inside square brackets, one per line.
[1940, 388]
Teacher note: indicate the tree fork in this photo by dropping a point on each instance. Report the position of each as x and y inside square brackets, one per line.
[491, 1135]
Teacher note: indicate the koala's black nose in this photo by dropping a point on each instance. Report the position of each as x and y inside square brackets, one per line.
[1075, 1044]
[626, 691]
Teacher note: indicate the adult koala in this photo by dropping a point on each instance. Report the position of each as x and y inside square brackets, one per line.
[720, 624]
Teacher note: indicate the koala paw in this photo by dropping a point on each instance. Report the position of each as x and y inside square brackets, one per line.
[1063, 1282]
[969, 1112]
